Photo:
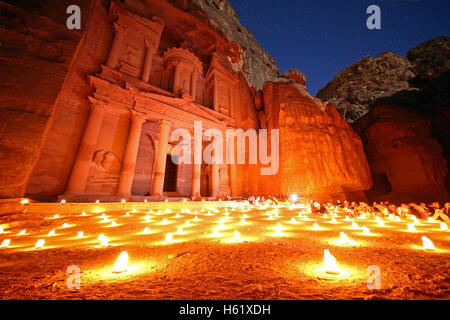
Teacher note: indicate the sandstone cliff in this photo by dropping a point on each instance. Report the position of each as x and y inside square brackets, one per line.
[257, 64]
[418, 80]
[406, 161]
[320, 155]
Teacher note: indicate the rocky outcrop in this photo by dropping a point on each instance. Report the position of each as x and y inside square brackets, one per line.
[355, 88]
[35, 55]
[419, 80]
[320, 155]
[257, 64]
[406, 161]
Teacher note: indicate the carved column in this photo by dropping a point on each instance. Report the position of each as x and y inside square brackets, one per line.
[214, 176]
[193, 84]
[120, 33]
[161, 156]
[214, 180]
[129, 159]
[176, 79]
[147, 61]
[80, 170]
[196, 167]
[216, 96]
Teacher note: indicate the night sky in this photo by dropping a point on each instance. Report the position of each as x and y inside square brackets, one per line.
[321, 37]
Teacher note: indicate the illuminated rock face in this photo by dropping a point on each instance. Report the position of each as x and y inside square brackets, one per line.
[141, 72]
[320, 154]
[406, 162]
[36, 51]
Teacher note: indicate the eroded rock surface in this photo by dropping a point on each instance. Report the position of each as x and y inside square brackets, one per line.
[320, 155]
[406, 161]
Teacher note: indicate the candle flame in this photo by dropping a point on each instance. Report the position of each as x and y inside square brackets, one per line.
[411, 227]
[236, 236]
[169, 237]
[80, 234]
[21, 233]
[5, 243]
[444, 226]
[427, 243]
[51, 233]
[329, 262]
[344, 238]
[121, 263]
[39, 244]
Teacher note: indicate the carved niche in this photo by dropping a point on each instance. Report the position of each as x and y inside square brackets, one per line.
[136, 39]
[181, 71]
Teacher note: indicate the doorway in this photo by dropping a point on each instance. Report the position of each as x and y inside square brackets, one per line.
[170, 176]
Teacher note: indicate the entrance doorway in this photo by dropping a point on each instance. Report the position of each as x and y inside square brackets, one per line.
[170, 177]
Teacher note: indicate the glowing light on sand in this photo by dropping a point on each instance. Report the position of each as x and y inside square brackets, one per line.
[187, 224]
[180, 230]
[39, 244]
[56, 216]
[216, 232]
[427, 243]
[177, 216]
[397, 218]
[127, 214]
[196, 218]
[101, 236]
[430, 219]
[444, 226]
[316, 226]
[344, 240]
[168, 237]
[329, 263]
[347, 218]
[293, 198]
[1, 230]
[22, 233]
[293, 221]
[104, 241]
[325, 216]
[243, 221]
[5, 243]
[121, 264]
[65, 225]
[147, 218]
[236, 236]
[165, 221]
[83, 214]
[63, 201]
[411, 227]
[355, 226]
[80, 234]
[51, 233]
[366, 231]
[391, 216]
[333, 220]
[209, 213]
[113, 224]
[146, 230]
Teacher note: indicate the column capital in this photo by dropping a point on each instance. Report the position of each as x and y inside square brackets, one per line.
[165, 123]
[120, 29]
[96, 105]
[137, 116]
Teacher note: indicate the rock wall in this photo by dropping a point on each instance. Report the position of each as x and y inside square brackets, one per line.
[320, 155]
[258, 65]
[35, 56]
[356, 87]
[406, 161]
